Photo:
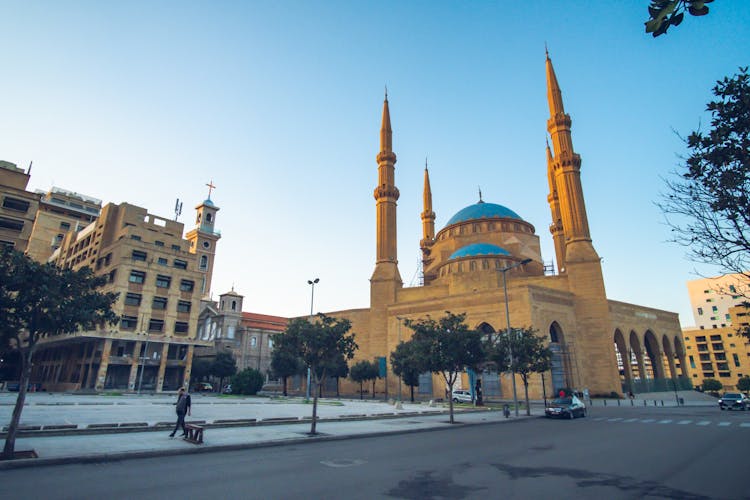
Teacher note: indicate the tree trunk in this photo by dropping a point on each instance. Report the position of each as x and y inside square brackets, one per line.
[361, 389]
[373, 388]
[284, 385]
[10, 438]
[315, 410]
[450, 400]
[337, 388]
[412, 393]
[526, 393]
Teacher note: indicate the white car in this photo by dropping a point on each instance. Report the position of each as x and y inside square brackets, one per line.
[461, 396]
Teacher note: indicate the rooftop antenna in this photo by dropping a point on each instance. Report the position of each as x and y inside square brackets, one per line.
[30, 164]
[177, 209]
[480, 194]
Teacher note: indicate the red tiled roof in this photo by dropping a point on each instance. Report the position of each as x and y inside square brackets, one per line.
[264, 321]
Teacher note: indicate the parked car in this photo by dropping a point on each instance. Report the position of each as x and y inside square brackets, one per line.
[734, 401]
[461, 396]
[567, 407]
[227, 389]
[203, 387]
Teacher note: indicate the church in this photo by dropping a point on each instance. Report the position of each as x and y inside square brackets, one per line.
[487, 260]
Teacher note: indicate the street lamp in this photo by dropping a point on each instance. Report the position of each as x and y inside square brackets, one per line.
[312, 284]
[400, 319]
[507, 318]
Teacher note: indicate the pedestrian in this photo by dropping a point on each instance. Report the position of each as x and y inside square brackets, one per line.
[631, 395]
[182, 407]
[562, 393]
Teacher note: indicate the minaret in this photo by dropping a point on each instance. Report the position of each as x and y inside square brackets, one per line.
[386, 194]
[566, 173]
[578, 262]
[556, 227]
[428, 225]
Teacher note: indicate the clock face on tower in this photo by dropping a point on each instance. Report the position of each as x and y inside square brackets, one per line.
[206, 244]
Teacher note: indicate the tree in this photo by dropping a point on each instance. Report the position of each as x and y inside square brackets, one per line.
[447, 346]
[223, 366]
[666, 13]
[319, 344]
[249, 381]
[340, 369]
[42, 300]
[707, 205]
[200, 370]
[285, 363]
[743, 384]
[530, 355]
[407, 364]
[712, 385]
[364, 371]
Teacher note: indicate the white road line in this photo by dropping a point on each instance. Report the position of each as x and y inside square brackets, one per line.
[665, 421]
[630, 420]
[598, 419]
[614, 419]
[648, 420]
[745, 424]
[683, 422]
[724, 424]
[704, 422]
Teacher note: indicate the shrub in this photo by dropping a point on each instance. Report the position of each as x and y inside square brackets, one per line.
[248, 381]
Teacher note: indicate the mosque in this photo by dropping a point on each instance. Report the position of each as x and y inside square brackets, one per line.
[599, 345]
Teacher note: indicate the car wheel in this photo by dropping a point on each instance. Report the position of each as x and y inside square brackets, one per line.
[583, 413]
[455, 400]
[571, 416]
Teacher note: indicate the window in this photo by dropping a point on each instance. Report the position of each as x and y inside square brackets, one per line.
[714, 308]
[700, 339]
[253, 341]
[155, 325]
[183, 306]
[204, 263]
[112, 275]
[732, 289]
[133, 299]
[160, 303]
[162, 261]
[159, 243]
[11, 224]
[692, 362]
[234, 305]
[138, 255]
[65, 226]
[727, 316]
[137, 277]
[700, 311]
[176, 247]
[715, 338]
[736, 360]
[187, 285]
[135, 237]
[17, 205]
[163, 281]
[180, 327]
[128, 322]
[270, 342]
[180, 264]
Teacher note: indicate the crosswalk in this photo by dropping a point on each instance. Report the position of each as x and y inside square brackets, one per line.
[668, 421]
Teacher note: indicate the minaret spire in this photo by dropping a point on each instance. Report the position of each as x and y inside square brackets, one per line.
[565, 177]
[556, 227]
[428, 225]
[386, 134]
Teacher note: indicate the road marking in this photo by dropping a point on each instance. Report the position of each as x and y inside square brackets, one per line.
[665, 421]
[599, 419]
[745, 424]
[704, 422]
[648, 420]
[724, 424]
[614, 419]
[630, 420]
[343, 462]
[683, 422]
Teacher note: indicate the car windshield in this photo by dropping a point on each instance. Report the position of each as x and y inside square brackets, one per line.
[562, 401]
[731, 395]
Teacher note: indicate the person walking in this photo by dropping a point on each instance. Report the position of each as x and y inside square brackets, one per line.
[182, 406]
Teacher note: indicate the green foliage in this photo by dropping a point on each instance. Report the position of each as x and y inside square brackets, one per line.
[248, 382]
[200, 370]
[319, 344]
[224, 365]
[364, 371]
[447, 347]
[666, 13]
[743, 384]
[710, 197]
[42, 300]
[407, 364]
[712, 385]
[285, 361]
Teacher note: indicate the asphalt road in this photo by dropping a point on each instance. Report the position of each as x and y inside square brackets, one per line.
[686, 453]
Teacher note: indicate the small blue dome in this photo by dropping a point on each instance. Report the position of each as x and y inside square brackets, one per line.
[208, 202]
[483, 210]
[476, 249]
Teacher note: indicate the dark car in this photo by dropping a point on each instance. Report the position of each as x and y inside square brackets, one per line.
[734, 401]
[567, 407]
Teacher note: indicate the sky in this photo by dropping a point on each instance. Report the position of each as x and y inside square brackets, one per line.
[279, 104]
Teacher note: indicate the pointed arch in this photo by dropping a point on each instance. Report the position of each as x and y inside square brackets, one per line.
[623, 359]
[636, 356]
[653, 350]
[560, 358]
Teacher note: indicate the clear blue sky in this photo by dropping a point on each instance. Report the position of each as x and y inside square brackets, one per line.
[279, 104]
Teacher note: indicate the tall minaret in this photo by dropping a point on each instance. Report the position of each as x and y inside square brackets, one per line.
[386, 194]
[566, 174]
[556, 227]
[428, 225]
[577, 259]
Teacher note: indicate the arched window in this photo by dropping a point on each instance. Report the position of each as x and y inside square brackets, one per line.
[234, 305]
[204, 263]
[208, 217]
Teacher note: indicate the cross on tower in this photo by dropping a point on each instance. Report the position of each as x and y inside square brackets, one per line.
[210, 188]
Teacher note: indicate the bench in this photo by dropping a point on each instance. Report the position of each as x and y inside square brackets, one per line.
[194, 433]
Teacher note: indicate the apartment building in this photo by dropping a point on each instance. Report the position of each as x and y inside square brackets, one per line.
[18, 207]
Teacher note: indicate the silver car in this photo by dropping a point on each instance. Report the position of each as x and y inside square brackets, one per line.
[462, 396]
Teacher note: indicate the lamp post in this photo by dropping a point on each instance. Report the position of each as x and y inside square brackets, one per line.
[507, 333]
[312, 284]
[400, 319]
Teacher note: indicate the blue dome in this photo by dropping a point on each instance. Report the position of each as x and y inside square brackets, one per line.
[483, 210]
[476, 249]
[208, 202]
